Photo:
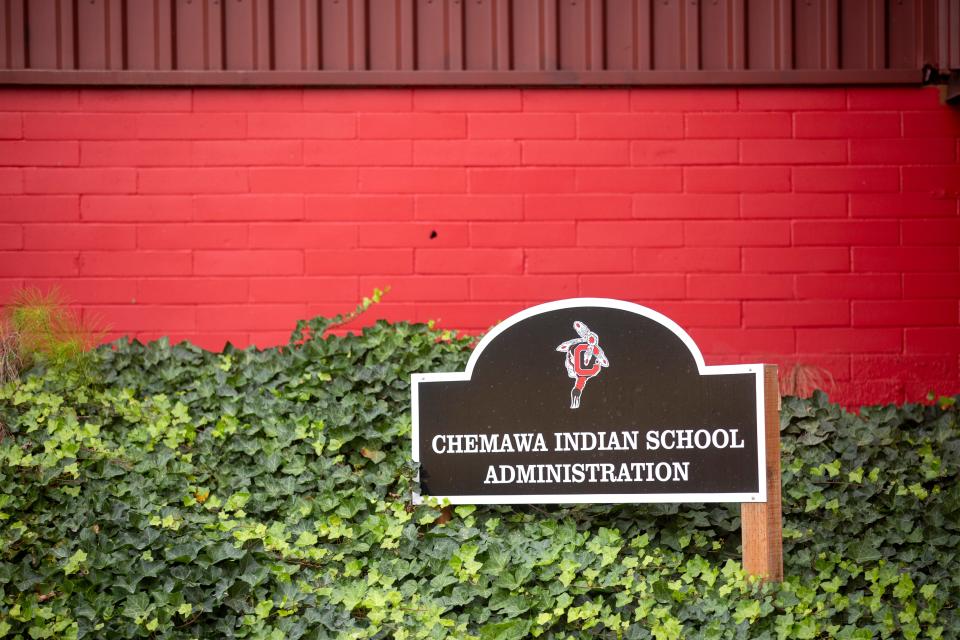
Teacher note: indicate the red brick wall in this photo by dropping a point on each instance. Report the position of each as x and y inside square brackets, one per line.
[817, 226]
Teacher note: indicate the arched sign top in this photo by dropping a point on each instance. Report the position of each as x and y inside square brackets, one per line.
[567, 303]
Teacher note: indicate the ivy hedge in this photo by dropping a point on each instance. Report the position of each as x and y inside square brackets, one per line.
[171, 492]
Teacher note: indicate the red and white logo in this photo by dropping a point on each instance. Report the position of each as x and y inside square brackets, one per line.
[584, 359]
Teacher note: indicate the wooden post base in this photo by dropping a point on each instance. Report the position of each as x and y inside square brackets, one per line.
[761, 523]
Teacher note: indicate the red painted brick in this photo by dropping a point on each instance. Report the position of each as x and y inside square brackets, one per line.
[716, 341]
[739, 286]
[686, 205]
[846, 179]
[682, 99]
[778, 99]
[303, 180]
[640, 287]
[80, 180]
[904, 313]
[924, 232]
[738, 125]
[135, 100]
[301, 125]
[358, 152]
[576, 100]
[39, 208]
[898, 205]
[701, 314]
[521, 180]
[934, 179]
[826, 313]
[136, 208]
[796, 259]
[893, 99]
[191, 126]
[684, 259]
[191, 180]
[432, 99]
[848, 286]
[736, 179]
[935, 340]
[627, 126]
[66, 237]
[728, 233]
[362, 100]
[529, 288]
[407, 234]
[580, 260]
[931, 124]
[247, 263]
[389, 311]
[253, 207]
[846, 232]
[683, 152]
[521, 126]
[417, 126]
[89, 290]
[300, 289]
[630, 234]
[870, 393]
[11, 126]
[903, 151]
[8, 286]
[905, 259]
[475, 317]
[191, 290]
[38, 263]
[78, 126]
[27, 153]
[418, 180]
[11, 180]
[471, 261]
[356, 208]
[466, 152]
[250, 317]
[39, 99]
[236, 100]
[576, 152]
[793, 205]
[360, 262]
[135, 263]
[930, 285]
[138, 153]
[616, 180]
[11, 237]
[905, 367]
[522, 234]
[131, 317]
[468, 207]
[846, 124]
[195, 235]
[247, 153]
[845, 340]
[793, 151]
[578, 207]
[418, 288]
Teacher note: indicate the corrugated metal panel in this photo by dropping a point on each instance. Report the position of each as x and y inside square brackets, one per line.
[475, 41]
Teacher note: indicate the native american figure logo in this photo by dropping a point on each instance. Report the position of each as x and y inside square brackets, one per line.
[584, 359]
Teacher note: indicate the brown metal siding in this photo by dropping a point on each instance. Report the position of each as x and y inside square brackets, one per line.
[475, 41]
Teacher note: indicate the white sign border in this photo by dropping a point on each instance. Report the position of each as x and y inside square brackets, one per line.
[597, 498]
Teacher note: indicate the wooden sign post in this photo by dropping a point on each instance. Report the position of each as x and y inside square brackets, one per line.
[761, 523]
[592, 400]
